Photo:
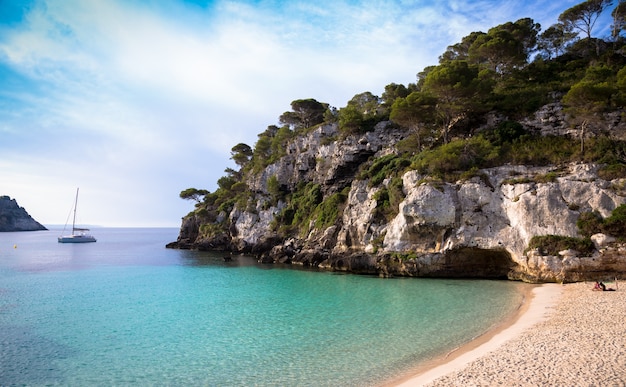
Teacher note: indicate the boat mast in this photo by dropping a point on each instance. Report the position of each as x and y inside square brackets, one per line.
[74, 220]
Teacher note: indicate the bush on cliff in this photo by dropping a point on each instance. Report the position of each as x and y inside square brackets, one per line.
[328, 211]
[590, 223]
[615, 225]
[552, 244]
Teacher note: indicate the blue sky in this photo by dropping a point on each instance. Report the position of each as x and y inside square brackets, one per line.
[135, 101]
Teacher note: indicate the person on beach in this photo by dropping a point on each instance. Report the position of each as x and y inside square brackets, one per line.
[604, 288]
[601, 286]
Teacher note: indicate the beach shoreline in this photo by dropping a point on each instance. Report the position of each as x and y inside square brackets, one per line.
[512, 325]
[561, 335]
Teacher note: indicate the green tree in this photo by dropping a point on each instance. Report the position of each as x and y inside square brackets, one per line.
[583, 16]
[394, 91]
[525, 31]
[460, 51]
[241, 154]
[262, 149]
[350, 119]
[498, 51]
[619, 19]
[226, 182]
[305, 113]
[457, 88]
[366, 103]
[273, 188]
[193, 194]
[587, 99]
[279, 141]
[553, 41]
[621, 87]
[415, 112]
[506, 46]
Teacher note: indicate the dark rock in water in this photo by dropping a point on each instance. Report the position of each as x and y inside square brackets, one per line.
[15, 218]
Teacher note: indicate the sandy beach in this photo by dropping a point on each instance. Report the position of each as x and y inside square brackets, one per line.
[566, 335]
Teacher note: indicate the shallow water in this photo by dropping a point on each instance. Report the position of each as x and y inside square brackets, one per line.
[127, 311]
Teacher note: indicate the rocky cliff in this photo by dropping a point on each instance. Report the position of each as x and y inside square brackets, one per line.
[479, 226]
[15, 218]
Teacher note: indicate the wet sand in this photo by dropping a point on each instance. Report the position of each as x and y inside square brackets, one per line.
[564, 335]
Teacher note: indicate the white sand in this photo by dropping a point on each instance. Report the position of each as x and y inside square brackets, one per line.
[568, 336]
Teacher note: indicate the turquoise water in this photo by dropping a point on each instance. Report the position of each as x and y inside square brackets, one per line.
[127, 311]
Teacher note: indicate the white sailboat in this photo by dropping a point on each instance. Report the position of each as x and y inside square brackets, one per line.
[78, 235]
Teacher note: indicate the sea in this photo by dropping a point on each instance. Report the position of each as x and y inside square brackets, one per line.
[126, 311]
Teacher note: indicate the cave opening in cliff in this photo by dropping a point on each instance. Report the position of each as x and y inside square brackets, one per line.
[478, 263]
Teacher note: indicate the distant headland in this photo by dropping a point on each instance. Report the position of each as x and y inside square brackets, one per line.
[15, 218]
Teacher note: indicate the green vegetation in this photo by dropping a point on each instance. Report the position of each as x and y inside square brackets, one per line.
[388, 199]
[589, 223]
[382, 168]
[328, 211]
[509, 71]
[404, 256]
[307, 208]
[615, 225]
[552, 244]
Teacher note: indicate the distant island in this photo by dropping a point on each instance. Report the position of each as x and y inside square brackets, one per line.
[15, 218]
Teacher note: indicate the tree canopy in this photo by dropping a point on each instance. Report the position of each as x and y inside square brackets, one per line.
[583, 16]
[305, 113]
[416, 112]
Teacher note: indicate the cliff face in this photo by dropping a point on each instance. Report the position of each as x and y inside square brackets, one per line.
[15, 218]
[479, 227]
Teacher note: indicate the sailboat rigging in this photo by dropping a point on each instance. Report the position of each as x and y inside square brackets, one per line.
[78, 235]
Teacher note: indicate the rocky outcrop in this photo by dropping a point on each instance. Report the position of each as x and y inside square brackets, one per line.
[15, 218]
[476, 227]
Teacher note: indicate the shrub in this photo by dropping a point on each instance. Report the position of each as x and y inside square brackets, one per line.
[589, 223]
[615, 224]
[506, 132]
[552, 244]
[384, 167]
[612, 171]
[329, 210]
[388, 200]
[208, 230]
[457, 156]
[544, 150]
[273, 187]
[549, 177]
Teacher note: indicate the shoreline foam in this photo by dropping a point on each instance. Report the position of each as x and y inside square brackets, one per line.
[564, 335]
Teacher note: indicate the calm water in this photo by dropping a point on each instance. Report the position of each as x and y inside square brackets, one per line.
[127, 311]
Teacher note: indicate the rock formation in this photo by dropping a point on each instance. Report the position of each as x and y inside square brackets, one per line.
[476, 227]
[15, 218]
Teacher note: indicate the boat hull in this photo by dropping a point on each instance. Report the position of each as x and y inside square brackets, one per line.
[76, 239]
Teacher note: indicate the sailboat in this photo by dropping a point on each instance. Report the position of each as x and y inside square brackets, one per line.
[78, 235]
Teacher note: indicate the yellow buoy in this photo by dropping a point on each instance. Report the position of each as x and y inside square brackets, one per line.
[15, 246]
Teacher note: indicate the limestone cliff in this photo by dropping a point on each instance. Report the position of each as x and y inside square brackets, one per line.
[15, 218]
[479, 226]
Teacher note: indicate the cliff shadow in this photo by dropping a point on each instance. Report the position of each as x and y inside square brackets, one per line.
[476, 263]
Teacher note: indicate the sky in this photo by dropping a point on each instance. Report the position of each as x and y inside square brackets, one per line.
[134, 101]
